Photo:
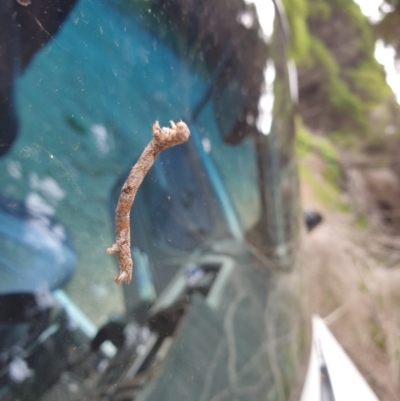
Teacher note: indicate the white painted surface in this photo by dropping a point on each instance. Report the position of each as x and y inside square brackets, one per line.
[312, 385]
[347, 382]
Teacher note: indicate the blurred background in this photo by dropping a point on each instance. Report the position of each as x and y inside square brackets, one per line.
[348, 143]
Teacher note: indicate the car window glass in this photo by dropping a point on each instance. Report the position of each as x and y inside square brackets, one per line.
[86, 106]
[237, 166]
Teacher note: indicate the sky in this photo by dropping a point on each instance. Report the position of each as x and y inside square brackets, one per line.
[384, 54]
[370, 8]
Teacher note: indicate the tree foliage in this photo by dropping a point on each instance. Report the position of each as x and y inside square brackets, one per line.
[388, 29]
[340, 79]
[297, 12]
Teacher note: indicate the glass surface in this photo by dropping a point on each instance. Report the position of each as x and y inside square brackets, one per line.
[213, 223]
[237, 166]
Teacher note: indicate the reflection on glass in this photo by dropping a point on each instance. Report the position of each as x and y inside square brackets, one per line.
[212, 223]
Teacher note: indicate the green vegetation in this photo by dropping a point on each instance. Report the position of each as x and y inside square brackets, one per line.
[342, 138]
[326, 192]
[361, 222]
[297, 11]
[369, 80]
[353, 91]
[306, 143]
[378, 335]
[340, 95]
[326, 185]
